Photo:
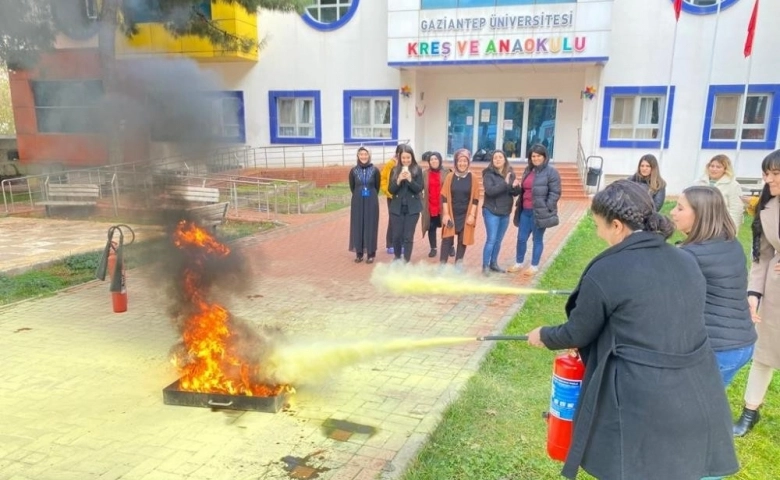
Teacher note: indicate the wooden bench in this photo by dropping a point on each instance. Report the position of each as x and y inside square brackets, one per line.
[70, 195]
[211, 212]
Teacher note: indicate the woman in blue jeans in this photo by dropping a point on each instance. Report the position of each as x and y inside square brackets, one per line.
[702, 215]
[500, 185]
[536, 208]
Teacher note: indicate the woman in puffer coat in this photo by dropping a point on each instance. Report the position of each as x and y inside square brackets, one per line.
[536, 208]
[711, 238]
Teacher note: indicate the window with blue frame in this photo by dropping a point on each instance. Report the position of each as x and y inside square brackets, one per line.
[371, 116]
[632, 117]
[432, 4]
[732, 117]
[295, 116]
[327, 15]
[705, 7]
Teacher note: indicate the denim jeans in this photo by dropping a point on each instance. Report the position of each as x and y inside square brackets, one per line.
[730, 361]
[495, 227]
[525, 230]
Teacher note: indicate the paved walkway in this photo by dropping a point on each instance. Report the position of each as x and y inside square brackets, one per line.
[81, 390]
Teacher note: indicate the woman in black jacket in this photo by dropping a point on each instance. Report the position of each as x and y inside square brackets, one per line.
[406, 183]
[649, 174]
[500, 185]
[652, 403]
[536, 208]
[711, 237]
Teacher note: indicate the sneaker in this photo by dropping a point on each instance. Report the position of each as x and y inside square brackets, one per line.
[485, 271]
[495, 268]
[530, 271]
[390, 251]
[370, 260]
[358, 259]
[515, 268]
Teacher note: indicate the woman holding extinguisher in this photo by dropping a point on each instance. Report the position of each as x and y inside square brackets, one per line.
[652, 403]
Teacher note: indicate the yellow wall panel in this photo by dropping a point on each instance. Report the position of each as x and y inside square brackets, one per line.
[152, 38]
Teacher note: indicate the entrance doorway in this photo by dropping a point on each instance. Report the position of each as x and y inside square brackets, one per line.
[488, 124]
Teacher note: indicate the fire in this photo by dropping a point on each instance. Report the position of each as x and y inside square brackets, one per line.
[212, 363]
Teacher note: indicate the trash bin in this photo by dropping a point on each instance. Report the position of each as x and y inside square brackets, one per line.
[593, 177]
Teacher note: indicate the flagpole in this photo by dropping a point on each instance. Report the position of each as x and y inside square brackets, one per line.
[707, 93]
[748, 53]
[741, 118]
[668, 96]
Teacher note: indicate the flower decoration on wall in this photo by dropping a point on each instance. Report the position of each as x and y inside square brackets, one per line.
[588, 93]
[406, 91]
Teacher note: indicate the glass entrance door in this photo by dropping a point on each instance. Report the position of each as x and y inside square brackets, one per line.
[541, 123]
[487, 133]
[460, 125]
[512, 125]
[512, 128]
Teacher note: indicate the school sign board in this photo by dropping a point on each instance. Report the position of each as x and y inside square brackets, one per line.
[452, 32]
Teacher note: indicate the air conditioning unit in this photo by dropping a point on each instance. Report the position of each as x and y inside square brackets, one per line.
[92, 9]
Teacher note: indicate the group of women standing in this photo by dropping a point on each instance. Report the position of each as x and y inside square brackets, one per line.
[661, 339]
[449, 200]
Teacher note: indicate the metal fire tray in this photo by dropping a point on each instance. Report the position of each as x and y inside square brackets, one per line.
[173, 395]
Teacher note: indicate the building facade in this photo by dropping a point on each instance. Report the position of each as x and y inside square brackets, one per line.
[609, 78]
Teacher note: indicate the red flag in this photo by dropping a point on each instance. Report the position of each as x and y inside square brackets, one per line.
[751, 31]
[677, 8]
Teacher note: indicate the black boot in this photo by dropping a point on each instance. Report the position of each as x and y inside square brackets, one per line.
[432, 253]
[746, 422]
[496, 268]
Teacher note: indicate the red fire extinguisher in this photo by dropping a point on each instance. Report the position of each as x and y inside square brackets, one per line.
[112, 263]
[568, 371]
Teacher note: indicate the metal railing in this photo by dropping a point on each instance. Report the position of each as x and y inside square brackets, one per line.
[212, 165]
[581, 161]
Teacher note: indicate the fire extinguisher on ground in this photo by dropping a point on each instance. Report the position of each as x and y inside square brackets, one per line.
[568, 372]
[112, 263]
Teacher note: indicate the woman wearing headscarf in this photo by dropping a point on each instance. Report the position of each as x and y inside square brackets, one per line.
[460, 206]
[364, 207]
[652, 403]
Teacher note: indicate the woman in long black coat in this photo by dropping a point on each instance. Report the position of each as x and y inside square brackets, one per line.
[364, 209]
[652, 403]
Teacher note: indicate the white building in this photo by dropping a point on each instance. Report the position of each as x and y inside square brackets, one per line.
[509, 73]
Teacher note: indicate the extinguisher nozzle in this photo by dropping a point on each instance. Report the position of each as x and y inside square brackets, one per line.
[503, 337]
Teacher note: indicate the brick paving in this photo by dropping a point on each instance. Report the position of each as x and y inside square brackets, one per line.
[81, 395]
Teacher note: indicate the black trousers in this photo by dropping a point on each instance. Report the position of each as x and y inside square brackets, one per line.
[403, 233]
[446, 246]
[432, 227]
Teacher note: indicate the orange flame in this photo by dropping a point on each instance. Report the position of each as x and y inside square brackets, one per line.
[212, 365]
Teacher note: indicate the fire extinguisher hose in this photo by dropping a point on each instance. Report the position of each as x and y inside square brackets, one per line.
[503, 337]
[102, 268]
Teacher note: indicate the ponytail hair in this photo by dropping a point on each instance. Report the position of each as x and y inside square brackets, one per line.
[631, 204]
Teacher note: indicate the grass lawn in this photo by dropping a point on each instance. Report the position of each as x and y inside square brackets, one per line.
[495, 430]
[78, 269]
